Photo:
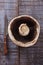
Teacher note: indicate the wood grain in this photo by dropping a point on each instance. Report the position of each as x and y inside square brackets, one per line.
[28, 56]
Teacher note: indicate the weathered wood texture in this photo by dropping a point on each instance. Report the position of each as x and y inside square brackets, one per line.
[17, 55]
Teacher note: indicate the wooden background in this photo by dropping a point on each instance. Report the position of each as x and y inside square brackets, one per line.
[17, 55]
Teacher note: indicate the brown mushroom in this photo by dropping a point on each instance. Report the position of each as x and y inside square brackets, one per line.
[24, 30]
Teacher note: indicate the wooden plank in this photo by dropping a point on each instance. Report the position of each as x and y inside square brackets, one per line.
[23, 56]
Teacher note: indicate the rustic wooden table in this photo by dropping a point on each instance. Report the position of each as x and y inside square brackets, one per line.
[17, 55]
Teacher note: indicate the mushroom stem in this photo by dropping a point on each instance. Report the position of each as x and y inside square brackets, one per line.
[24, 29]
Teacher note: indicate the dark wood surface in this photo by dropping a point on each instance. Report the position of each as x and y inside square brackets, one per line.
[17, 55]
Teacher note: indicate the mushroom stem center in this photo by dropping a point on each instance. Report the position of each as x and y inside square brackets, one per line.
[24, 29]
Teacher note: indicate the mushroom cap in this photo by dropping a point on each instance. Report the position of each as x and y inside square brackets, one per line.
[20, 43]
